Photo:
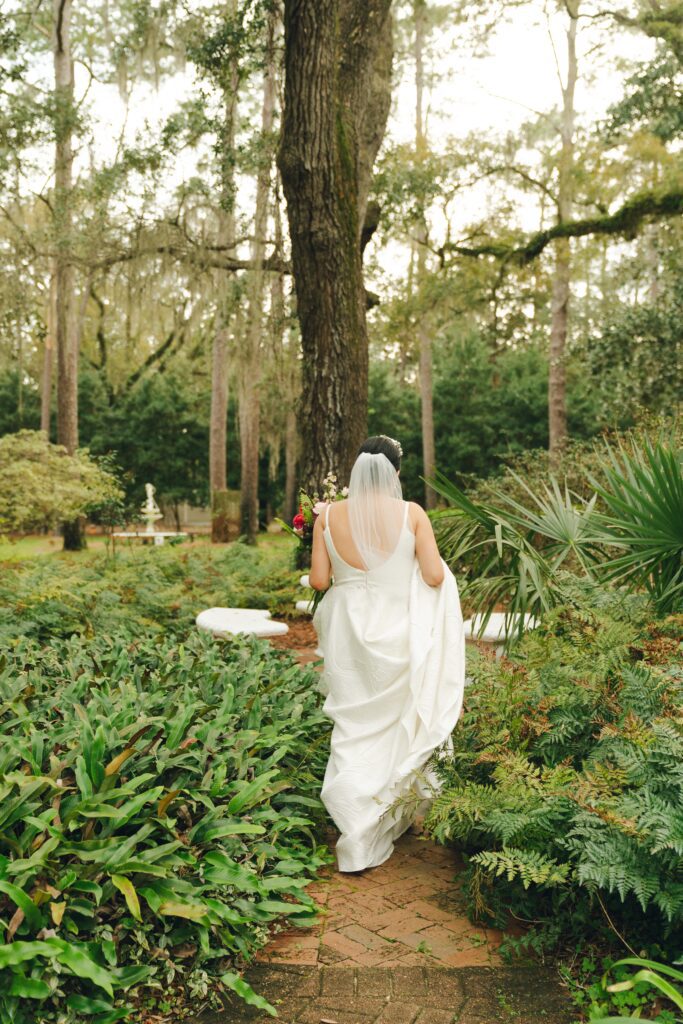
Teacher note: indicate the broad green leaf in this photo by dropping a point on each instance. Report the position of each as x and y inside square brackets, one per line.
[125, 886]
[28, 988]
[251, 792]
[80, 964]
[221, 829]
[14, 953]
[244, 990]
[84, 1004]
[33, 916]
[190, 911]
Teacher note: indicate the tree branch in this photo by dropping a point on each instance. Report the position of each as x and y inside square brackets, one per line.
[151, 359]
[199, 258]
[624, 221]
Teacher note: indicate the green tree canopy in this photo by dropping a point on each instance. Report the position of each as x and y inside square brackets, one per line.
[41, 485]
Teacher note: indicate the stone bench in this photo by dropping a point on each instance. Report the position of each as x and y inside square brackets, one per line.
[498, 628]
[305, 605]
[225, 622]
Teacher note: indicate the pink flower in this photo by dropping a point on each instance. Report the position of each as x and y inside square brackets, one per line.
[318, 507]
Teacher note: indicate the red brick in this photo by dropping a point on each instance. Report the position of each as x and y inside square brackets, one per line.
[376, 957]
[426, 909]
[365, 937]
[398, 1013]
[341, 944]
[468, 958]
[409, 926]
[376, 922]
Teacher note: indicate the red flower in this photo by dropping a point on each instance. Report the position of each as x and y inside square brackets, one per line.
[298, 522]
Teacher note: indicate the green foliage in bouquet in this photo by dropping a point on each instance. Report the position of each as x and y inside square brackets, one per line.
[157, 801]
[565, 784]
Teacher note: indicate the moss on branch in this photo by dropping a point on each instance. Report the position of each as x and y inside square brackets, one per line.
[624, 221]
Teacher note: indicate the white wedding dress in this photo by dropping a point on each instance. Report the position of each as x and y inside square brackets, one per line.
[394, 654]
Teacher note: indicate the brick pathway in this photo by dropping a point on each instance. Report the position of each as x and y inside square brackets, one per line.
[394, 946]
[406, 912]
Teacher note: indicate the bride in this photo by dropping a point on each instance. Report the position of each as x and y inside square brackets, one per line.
[391, 633]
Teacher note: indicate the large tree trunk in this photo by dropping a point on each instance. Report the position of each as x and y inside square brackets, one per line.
[65, 314]
[337, 95]
[250, 356]
[557, 384]
[218, 422]
[423, 326]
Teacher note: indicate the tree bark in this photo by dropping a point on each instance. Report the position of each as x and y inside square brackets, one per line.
[218, 421]
[423, 327]
[250, 357]
[337, 96]
[218, 436]
[48, 355]
[561, 286]
[66, 328]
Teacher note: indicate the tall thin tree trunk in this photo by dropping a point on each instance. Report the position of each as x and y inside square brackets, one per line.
[218, 436]
[337, 96]
[291, 463]
[561, 288]
[285, 344]
[48, 355]
[65, 326]
[250, 357]
[423, 326]
[218, 422]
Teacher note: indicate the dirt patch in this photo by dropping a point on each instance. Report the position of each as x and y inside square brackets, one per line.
[301, 636]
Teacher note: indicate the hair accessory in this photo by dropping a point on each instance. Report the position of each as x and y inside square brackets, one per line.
[394, 442]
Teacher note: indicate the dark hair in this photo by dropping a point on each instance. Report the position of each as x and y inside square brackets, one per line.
[383, 445]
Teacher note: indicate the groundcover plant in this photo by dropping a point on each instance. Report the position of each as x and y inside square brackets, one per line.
[565, 785]
[157, 798]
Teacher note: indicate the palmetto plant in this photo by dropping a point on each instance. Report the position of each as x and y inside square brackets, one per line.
[511, 552]
[629, 531]
[643, 496]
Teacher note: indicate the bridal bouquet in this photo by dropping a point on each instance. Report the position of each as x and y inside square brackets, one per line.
[310, 507]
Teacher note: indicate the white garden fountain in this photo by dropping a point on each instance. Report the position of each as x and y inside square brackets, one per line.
[150, 514]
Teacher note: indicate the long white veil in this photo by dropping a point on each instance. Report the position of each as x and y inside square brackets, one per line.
[375, 508]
